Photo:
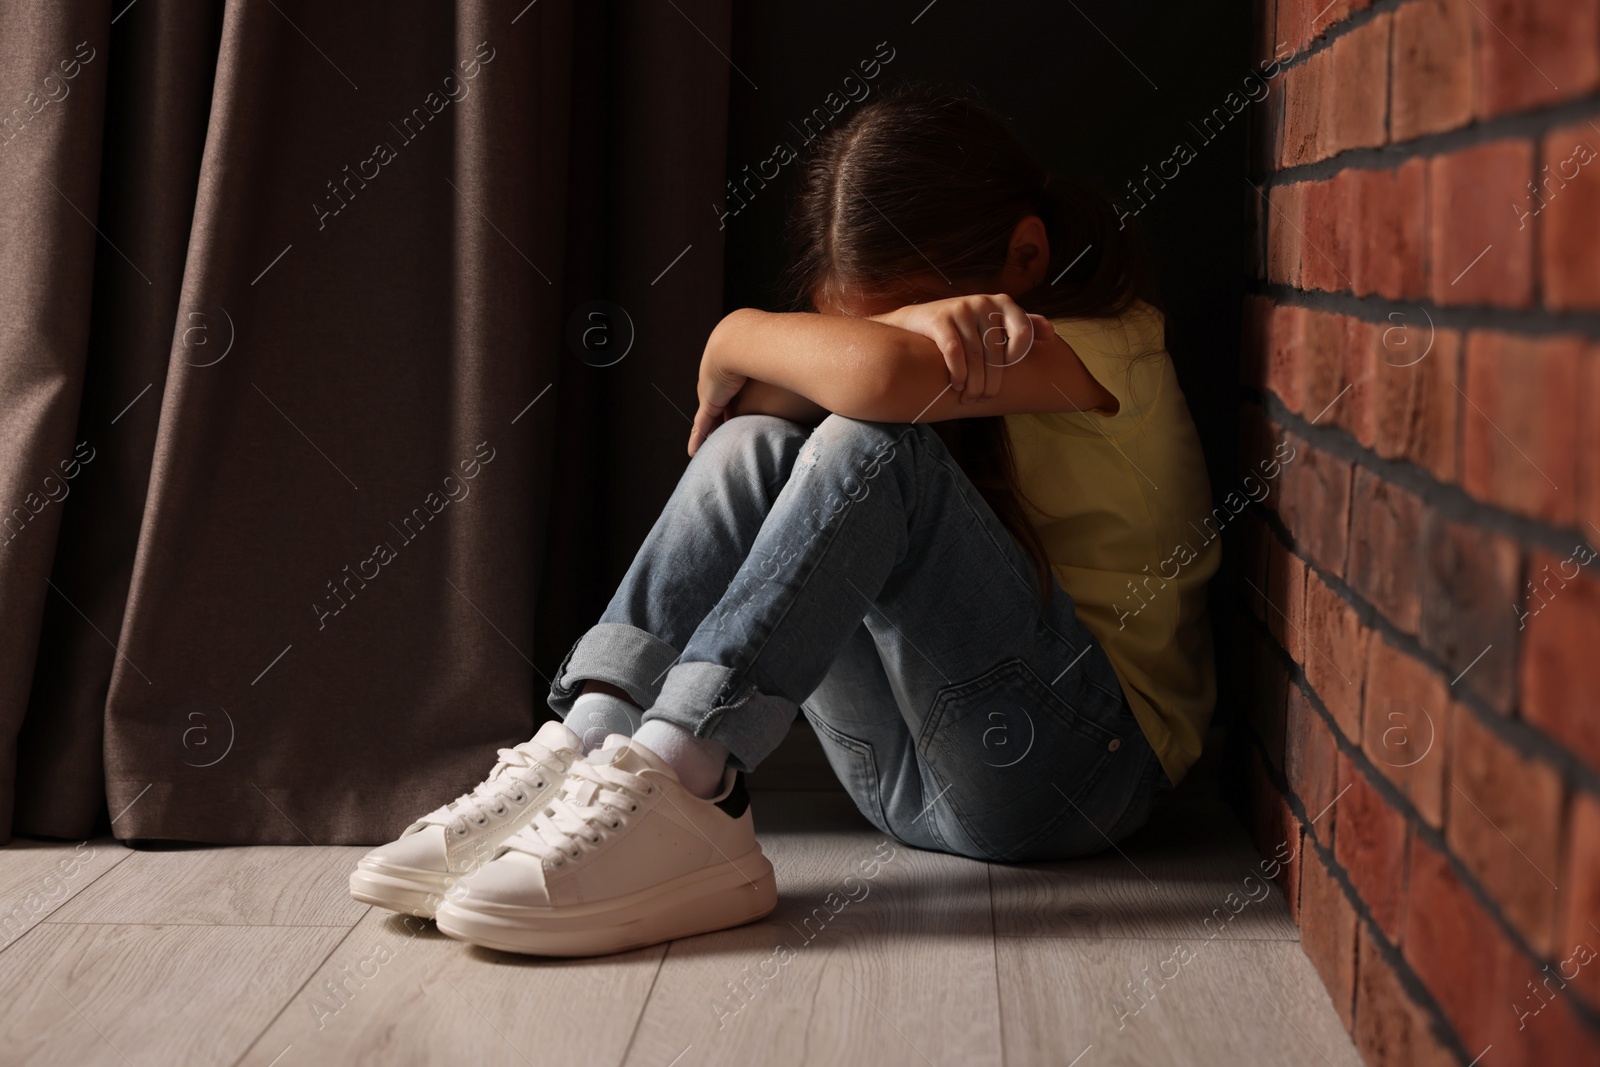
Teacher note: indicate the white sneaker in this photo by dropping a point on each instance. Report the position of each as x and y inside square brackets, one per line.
[624, 857]
[411, 875]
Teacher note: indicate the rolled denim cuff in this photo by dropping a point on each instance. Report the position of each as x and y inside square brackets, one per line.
[701, 698]
[632, 659]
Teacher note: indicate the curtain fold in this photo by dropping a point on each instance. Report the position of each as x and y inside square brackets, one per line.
[353, 485]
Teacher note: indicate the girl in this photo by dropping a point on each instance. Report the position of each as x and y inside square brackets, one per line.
[935, 513]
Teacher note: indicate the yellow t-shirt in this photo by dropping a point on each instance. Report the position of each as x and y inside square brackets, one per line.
[1123, 506]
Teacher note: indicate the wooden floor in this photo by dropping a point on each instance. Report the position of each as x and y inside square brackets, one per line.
[258, 956]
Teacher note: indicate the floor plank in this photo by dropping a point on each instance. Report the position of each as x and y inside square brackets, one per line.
[1219, 1002]
[265, 885]
[38, 877]
[396, 992]
[896, 968]
[82, 995]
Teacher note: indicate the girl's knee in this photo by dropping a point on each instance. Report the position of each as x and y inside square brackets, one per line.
[841, 428]
[753, 441]
[748, 431]
[839, 439]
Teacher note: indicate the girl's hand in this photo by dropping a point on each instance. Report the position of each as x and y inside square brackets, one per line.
[978, 335]
[716, 390]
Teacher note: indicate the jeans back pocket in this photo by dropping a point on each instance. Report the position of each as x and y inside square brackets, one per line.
[1012, 758]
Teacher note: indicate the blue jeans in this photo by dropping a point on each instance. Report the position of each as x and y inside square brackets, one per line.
[854, 572]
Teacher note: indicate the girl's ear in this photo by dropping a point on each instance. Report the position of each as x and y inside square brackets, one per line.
[1027, 257]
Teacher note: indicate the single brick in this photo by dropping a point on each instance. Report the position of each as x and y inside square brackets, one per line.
[1391, 1027]
[1433, 68]
[1389, 250]
[1325, 256]
[1481, 253]
[1580, 882]
[1469, 593]
[1386, 549]
[1286, 346]
[1519, 430]
[1404, 726]
[1565, 199]
[1416, 400]
[1317, 230]
[1533, 52]
[1286, 595]
[1560, 670]
[1307, 96]
[1505, 826]
[1310, 763]
[1316, 504]
[1370, 844]
[1358, 109]
[1336, 654]
[1356, 411]
[1322, 365]
[1328, 933]
[1285, 226]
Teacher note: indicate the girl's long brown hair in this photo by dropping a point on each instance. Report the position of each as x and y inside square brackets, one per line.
[919, 181]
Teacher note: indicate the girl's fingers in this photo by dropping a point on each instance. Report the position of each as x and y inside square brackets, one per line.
[996, 342]
[1043, 330]
[1019, 332]
[954, 351]
[971, 331]
[978, 338]
[705, 420]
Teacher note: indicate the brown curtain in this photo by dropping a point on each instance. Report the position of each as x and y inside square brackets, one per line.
[285, 552]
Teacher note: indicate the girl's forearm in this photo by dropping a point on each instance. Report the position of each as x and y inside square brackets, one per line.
[841, 364]
[764, 398]
[868, 369]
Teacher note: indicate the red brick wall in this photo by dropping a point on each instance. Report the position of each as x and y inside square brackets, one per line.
[1422, 721]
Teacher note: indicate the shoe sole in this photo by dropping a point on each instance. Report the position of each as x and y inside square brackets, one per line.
[715, 898]
[416, 893]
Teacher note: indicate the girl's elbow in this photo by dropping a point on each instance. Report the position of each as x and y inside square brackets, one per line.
[877, 398]
[889, 392]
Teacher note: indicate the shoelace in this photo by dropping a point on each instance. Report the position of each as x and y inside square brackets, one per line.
[491, 794]
[593, 799]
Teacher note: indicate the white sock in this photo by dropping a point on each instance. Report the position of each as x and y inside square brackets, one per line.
[595, 715]
[699, 762]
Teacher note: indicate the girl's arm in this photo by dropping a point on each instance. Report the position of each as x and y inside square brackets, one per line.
[764, 398]
[866, 368]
